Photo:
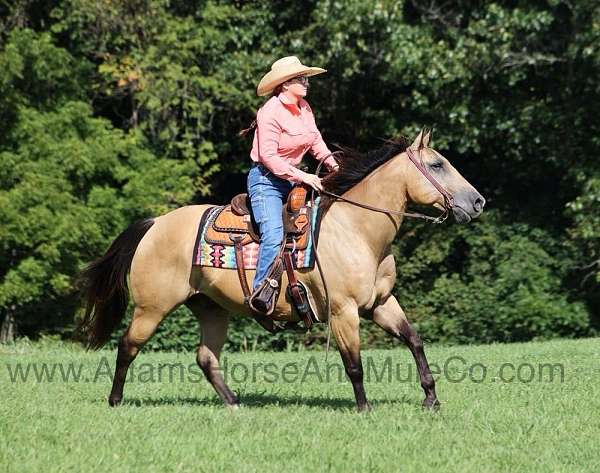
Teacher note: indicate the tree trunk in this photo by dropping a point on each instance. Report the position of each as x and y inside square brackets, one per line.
[7, 331]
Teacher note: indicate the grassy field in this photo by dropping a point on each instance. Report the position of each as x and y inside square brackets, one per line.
[299, 416]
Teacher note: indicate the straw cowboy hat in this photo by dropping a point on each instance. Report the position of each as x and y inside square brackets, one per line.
[282, 70]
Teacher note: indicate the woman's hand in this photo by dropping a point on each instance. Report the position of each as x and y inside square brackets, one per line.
[313, 181]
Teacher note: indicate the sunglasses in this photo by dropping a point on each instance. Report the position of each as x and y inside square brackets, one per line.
[300, 80]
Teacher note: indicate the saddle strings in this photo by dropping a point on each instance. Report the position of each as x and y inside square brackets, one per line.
[325, 288]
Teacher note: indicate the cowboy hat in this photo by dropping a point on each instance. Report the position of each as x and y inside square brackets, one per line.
[282, 70]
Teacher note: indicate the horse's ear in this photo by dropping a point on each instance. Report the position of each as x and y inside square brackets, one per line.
[427, 138]
[418, 142]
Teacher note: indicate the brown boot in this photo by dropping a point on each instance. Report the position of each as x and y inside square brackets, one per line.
[264, 299]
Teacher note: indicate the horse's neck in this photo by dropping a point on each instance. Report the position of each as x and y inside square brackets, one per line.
[384, 188]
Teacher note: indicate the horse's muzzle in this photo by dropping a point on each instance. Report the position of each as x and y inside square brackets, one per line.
[468, 207]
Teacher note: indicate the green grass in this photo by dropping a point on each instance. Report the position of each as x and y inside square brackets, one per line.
[544, 425]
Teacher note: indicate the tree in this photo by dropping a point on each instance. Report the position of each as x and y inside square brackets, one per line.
[69, 182]
[112, 110]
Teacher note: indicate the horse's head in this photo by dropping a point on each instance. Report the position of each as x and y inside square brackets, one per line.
[465, 202]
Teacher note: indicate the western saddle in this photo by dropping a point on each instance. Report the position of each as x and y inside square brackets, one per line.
[234, 226]
[236, 221]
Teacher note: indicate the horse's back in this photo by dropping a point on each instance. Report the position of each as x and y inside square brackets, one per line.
[164, 255]
[174, 232]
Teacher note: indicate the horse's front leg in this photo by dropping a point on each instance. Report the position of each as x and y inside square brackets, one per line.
[390, 316]
[345, 329]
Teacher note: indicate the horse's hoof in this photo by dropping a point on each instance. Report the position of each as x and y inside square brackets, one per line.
[431, 404]
[234, 407]
[364, 408]
[114, 401]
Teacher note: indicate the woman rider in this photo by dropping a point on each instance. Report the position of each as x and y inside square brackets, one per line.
[285, 131]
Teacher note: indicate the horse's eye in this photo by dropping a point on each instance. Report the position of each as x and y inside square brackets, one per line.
[437, 165]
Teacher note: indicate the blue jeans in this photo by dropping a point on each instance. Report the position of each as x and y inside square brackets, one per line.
[268, 194]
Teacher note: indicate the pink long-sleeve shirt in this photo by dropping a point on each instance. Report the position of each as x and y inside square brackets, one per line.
[284, 133]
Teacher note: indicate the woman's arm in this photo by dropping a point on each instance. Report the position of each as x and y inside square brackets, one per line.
[320, 151]
[318, 148]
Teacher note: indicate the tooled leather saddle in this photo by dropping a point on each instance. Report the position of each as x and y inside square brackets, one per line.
[234, 225]
[235, 221]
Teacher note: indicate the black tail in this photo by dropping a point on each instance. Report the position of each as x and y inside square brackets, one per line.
[104, 285]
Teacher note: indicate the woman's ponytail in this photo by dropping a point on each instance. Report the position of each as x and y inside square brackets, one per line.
[245, 131]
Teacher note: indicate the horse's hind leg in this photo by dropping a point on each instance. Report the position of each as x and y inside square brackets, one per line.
[213, 322]
[142, 327]
[392, 319]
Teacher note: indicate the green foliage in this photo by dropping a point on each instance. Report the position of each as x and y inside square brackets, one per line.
[585, 210]
[488, 284]
[114, 110]
[69, 183]
[182, 79]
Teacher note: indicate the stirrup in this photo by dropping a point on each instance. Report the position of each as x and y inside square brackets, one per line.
[264, 297]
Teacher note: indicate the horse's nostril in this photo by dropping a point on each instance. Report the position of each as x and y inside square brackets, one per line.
[478, 204]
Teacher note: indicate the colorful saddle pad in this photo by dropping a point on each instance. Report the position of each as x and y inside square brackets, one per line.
[208, 252]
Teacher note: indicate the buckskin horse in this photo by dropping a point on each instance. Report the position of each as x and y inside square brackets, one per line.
[354, 248]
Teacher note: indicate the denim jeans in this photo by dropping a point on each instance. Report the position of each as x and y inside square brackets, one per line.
[268, 194]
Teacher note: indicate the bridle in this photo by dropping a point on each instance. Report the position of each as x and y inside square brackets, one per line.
[448, 199]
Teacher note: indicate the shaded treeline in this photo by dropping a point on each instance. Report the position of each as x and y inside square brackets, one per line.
[113, 111]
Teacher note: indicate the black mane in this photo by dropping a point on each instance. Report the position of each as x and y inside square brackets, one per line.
[355, 166]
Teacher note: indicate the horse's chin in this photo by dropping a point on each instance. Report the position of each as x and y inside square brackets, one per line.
[460, 215]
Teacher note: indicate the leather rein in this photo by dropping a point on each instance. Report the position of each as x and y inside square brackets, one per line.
[448, 199]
